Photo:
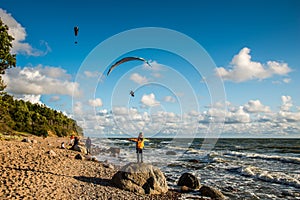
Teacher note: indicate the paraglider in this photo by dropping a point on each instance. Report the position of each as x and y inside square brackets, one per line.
[132, 93]
[126, 59]
[76, 30]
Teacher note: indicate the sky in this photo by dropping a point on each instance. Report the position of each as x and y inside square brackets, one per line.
[218, 68]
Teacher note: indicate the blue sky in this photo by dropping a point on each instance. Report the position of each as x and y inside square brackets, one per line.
[254, 46]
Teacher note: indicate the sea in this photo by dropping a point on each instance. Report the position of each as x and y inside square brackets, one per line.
[239, 168]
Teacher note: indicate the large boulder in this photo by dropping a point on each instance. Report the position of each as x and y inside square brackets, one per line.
[114, 151]
[140, 178]
[211, 192]
[189, 180]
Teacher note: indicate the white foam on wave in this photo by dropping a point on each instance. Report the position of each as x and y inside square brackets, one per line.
[273, 177]
[286, 159]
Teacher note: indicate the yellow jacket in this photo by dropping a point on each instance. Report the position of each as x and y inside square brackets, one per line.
[139, 142]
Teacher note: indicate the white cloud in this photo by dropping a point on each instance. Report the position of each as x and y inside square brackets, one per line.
[120, 110]
[169, 99]
[155, 66]
[149, 100]
[255, 106]
[253, 119]
[91, 74]
[19, 33]
[40, 80]
[286, 80]
[286, 103]
[289, 116]
[95, 102]
[285, 114]
[35, 99]
[137, 78]
[78, 108]
[244, 69]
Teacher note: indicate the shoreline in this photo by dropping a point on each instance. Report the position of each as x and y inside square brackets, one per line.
[42, 170]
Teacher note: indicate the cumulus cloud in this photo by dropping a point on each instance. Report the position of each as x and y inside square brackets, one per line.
[95, 102]
[35, 99]
[169, 99]
[19, 33]
[244, 69]
[78, 108]
[252, 119]
[286, 103]
[149, 100]
[137, 78]
[40, 80]
[255, 106]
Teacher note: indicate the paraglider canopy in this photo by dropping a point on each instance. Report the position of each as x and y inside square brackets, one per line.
[126, 59]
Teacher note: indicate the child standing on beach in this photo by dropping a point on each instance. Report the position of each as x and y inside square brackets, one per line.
[139, 146]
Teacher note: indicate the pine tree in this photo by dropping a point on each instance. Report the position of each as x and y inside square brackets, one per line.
[7, 59]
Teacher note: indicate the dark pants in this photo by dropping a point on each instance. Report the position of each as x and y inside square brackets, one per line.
[88, 149]
[139, 153]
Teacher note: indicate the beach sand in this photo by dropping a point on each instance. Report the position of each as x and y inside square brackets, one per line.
[29, 171]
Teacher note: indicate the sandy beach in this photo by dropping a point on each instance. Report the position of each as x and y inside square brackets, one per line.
[41, 170]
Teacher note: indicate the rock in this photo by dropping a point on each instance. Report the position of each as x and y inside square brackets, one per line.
[79, 157]
[140, 178]
[26, 140]
[193, 161]
[107, 165]
[88, 157]
[114, 151]
[34, 141]
[185, 189]
[171, 153]
[211, 192]
[80, 148]
[94, 159]
[51, 153]
[189, 180]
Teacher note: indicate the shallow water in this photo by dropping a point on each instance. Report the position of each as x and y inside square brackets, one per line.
[240, 168]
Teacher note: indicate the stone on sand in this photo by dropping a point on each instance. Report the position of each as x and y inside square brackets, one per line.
[140, 178]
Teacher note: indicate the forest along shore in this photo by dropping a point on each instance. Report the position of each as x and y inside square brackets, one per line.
[40, 169]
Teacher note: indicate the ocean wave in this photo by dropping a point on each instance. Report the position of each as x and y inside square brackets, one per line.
[285, 159]
[268, 176]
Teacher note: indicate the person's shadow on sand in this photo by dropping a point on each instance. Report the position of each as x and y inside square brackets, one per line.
[98, 181]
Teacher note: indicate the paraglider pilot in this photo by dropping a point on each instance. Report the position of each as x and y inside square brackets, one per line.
[76, 29]
[131, 93]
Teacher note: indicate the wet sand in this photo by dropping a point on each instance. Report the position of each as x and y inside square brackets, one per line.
[41, 170]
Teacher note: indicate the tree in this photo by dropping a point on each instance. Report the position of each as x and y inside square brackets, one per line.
[7, 60]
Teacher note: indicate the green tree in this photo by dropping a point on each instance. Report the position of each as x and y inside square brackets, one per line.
[7, 60]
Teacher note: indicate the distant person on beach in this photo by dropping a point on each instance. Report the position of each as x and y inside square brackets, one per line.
[71, 140]
[76, 142]
[139, 146]
[88, 144]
